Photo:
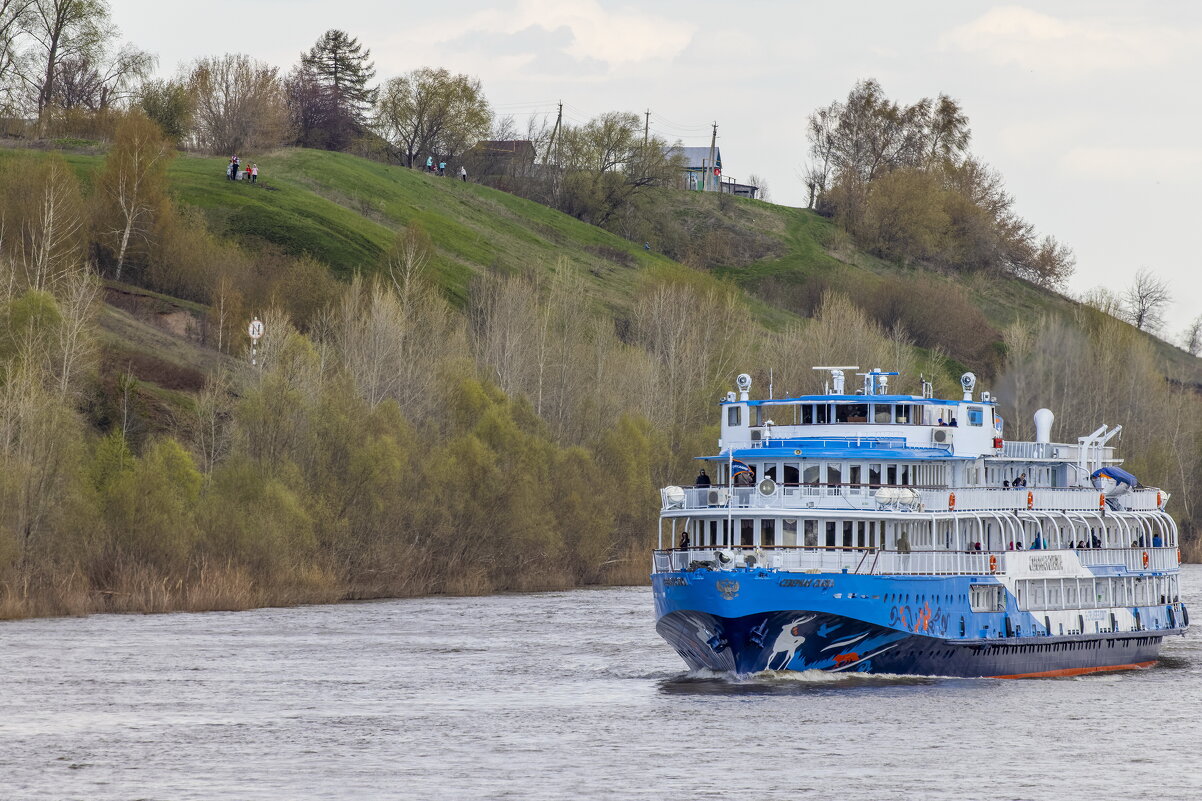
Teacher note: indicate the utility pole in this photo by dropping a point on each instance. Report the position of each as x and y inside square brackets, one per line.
[554, 131]
[709, 174]
[646, 125]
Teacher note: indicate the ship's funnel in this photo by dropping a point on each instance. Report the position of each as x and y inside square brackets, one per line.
[1043, 425]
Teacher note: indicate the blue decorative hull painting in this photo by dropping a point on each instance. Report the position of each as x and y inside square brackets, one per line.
[745, 621]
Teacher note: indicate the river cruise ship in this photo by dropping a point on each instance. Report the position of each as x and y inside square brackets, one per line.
[886, 533]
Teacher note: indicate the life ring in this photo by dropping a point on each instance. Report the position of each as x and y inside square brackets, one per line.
[951, 501]
[1030, 500]
[992, 563]
[1102, 501]
[1145, 559]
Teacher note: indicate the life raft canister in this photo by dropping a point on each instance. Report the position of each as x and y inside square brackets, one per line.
[992, 563]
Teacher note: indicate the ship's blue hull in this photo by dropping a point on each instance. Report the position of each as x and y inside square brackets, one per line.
[746, 621]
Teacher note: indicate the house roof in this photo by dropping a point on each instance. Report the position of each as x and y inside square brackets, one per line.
[697, 158]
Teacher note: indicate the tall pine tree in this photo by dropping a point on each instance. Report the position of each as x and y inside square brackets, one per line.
[339, 68]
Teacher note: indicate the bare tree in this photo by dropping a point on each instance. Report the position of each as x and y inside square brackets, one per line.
[761, 183]
[61, 31]
[239, 104]
[431, 111]
[134, 182]
[1144, 302]
[41, 220]
[1192, 338]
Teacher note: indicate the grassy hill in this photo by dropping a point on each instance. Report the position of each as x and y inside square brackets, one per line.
[345, 211]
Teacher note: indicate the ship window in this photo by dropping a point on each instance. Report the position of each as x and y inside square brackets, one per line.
[985, 598]
[874, 475]
[789, 532]
[891, 474]
[830, 534]
[902, 414]
[733, 416]
[768, 533]
[880, 413]
[975, 416]
[851, 413]
[811, 533]
[834, 474]
[791, 473]
[811, 474]
[821, 414]
[747, 533]
[807, 414]
[853, 474]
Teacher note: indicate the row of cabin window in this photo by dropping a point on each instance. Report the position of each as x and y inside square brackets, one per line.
[767, 532]
[1092, 593]
[922, 535]
[853, 473]
[793, 414]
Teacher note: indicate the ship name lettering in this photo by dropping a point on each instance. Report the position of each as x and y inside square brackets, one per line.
[1049, 562]
[675, 581]
[820, 583]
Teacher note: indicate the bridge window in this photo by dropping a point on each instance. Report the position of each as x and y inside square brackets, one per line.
[822, 414]
[881, 413]
[807, 414]
[902, 414]
[733, 416]
[976, 416]
[851, 413]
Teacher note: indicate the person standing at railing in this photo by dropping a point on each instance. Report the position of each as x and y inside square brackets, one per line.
[684, 540]
[1157, 541]
[702, 480]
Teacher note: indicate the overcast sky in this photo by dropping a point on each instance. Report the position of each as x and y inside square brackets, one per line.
[1091, 110]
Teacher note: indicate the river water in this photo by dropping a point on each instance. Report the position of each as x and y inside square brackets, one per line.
[548, 696]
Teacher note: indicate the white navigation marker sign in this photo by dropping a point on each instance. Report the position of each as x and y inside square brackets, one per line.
[255, 329]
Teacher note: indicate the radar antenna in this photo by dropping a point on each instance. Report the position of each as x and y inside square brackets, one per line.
[836, 377]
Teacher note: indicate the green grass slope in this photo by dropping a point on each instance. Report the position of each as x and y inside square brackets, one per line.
[345, 211]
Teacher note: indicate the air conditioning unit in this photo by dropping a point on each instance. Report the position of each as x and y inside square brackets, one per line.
[942, 436]
[716, 497]
[756, 435]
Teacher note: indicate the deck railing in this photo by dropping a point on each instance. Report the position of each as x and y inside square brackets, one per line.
[925, 499]
[875, 561]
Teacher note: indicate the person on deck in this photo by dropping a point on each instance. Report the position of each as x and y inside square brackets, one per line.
[684, 540]
[940, 423]
[702, 480]
[953, 423]
[1037, 543]
[1157, 541]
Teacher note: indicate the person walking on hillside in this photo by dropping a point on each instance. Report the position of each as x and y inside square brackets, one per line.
[463, 174]
[231, 171]
[442, 168]
[429, 164]
[254, 173]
